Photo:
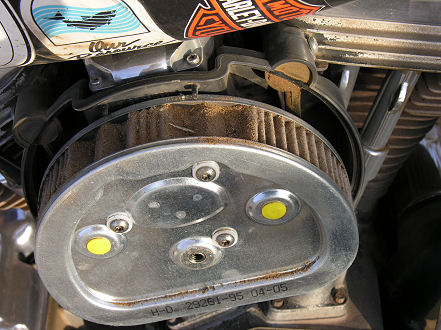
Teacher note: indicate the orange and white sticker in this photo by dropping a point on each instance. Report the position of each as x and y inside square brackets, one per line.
[221, 16]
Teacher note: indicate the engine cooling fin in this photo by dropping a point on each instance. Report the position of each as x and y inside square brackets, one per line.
[419, 116]
[208, 119]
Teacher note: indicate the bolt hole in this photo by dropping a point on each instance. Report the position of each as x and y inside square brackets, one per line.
[197, 257]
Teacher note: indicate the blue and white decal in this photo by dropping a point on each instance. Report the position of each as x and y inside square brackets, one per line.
[73, 28]
[15, 46]
[56, 21]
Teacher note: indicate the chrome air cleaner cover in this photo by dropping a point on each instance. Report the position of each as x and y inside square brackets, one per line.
[187, 208]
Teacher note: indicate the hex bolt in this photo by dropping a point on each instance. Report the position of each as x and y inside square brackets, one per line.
[193, 59]
[225, 240]
[278, 303]
[205, 174]
[119, 222]
[339, 295]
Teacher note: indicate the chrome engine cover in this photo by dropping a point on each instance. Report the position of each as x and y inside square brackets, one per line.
[196, 222]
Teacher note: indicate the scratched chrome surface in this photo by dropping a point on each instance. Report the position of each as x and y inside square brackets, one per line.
[142, 283]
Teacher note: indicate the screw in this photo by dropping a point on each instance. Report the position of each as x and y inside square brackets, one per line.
[95, 82]
[119, 222]
[205, 174]
[225, 240]
[225, 237]
[119, 225]
[278, 303]
[339, 295]
[193, 59]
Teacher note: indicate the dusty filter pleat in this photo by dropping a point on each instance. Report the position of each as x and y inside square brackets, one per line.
[281, 138]
[269, 129]
[201, 120]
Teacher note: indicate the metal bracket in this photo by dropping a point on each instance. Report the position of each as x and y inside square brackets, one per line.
[382, 120]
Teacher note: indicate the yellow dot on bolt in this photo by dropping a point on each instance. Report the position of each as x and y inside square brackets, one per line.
[274, 210]
[99, 245]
